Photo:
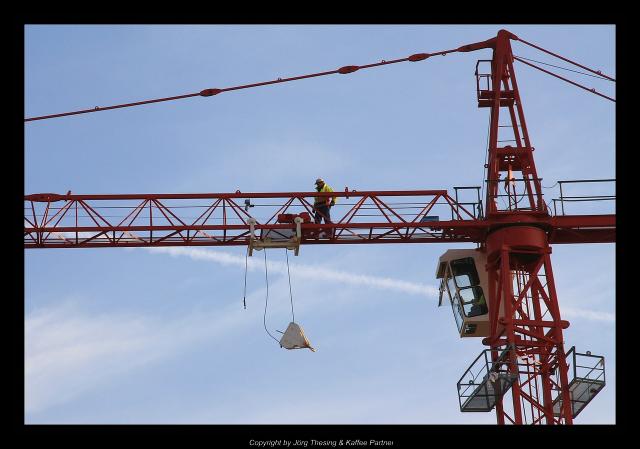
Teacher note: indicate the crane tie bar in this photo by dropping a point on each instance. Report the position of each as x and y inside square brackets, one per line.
[215, 91]
[342, 70]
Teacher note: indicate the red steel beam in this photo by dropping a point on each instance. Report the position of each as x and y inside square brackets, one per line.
[56, 221]
[53, 197]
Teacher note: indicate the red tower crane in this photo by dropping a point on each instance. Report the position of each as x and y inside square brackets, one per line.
[508, 278]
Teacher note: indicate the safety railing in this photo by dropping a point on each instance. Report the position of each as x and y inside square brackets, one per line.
[485, 381]
[483, 78]
[484, 87]
[591, 198]
[586, 378]
[515, 195]
[475, 207]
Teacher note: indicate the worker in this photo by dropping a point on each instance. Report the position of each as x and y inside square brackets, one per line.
[322, 204]
[479, 306]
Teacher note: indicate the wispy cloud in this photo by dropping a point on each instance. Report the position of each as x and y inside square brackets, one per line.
[303, 271]
[70, 350]
[591, 315]
[65, 351]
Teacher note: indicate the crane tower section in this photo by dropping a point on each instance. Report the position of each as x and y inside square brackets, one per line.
[521, 321]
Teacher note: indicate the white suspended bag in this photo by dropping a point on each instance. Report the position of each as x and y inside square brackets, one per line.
[294, 338]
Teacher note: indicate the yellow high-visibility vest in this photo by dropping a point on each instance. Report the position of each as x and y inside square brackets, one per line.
[325, 200]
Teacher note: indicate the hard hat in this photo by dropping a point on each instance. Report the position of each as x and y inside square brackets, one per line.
[319, 180]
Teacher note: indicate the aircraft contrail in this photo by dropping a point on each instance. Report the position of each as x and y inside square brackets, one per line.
[303, 270]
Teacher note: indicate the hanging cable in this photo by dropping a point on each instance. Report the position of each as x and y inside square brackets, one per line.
[293, 317]
[266, 300]
[515, 196]
[486, 158]
[246, 264]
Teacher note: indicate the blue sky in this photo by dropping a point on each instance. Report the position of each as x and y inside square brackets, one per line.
[158, 336]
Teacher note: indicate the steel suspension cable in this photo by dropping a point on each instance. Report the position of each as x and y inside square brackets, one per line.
[593, 91]
[215, 91]
[342, 70]
[569, 70]
[597, 72]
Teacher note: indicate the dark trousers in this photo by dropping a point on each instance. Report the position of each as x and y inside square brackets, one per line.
[322, 212]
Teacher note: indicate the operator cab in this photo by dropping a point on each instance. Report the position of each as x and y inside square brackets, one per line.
[464, 281]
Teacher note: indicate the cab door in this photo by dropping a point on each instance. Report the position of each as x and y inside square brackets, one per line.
[465, 288]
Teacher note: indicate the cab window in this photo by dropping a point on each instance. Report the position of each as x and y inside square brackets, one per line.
[454, 298]
[467, 285]
[464, 271]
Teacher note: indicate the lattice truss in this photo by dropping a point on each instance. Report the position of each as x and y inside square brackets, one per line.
[536, 356]
[222, 219]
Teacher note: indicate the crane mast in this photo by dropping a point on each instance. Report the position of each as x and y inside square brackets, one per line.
[520, 274]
